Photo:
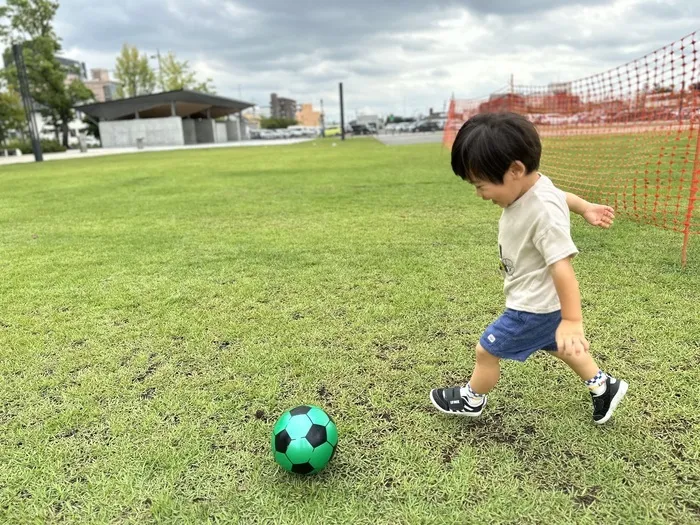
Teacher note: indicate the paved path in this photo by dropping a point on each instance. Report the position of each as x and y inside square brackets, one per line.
[98, 152]
[400, 139]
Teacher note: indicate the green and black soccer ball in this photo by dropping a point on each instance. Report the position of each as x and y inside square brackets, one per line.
[304, 440]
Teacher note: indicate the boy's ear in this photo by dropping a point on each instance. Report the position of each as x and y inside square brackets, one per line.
[517, 169]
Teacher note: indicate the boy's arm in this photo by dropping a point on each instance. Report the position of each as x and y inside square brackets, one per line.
[576, 203]
[595, 214]
[569, 335]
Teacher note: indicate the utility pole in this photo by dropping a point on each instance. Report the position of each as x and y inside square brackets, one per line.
[27, 101]
[342, 114]
[323, 121]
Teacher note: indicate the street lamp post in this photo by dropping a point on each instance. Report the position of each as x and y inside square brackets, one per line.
[160, 69]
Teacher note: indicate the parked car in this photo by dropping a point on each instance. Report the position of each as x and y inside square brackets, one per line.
[392, 128]
[361, 129]
[303, 131]
[427, 125]
[267, 134]
[332, 132]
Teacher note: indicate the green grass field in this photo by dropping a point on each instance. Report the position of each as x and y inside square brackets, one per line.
[159, 311]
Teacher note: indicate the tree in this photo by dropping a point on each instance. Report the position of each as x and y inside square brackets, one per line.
[93, 127]
[4, 30]
[660, 88]
[176, 75]
[205, 87]
[277, 123]
[30, 22]
[49, 88]
[32, 18]
[11, 114]
[397, 119]
[75, 93]
[134, 72]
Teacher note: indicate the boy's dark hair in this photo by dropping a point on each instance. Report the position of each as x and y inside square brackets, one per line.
[489, 143]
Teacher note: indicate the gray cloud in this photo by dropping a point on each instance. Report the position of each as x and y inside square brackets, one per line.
[385, 52]
[674, 11]
[520, 8]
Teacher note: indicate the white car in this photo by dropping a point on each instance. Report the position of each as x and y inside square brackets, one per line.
[267, 134]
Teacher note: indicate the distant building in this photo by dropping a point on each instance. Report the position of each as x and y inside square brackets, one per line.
[75, 70]
[306, 116]
[101, 86]
[253, 118]
[282, 107]
[436, 115]
[504, 102]
[374, 121]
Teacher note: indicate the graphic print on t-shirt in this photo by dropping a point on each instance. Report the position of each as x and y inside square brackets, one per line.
[506, 265]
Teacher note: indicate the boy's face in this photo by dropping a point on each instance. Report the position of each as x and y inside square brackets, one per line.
[502, 195]
[515, 184]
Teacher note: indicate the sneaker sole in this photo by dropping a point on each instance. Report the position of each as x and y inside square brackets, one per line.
[463, 414]
[615, 401]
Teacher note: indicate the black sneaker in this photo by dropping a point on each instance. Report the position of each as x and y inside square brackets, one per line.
[605, 404]
[450, 401]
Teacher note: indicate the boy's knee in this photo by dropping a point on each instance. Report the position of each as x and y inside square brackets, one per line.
[556, 353]
[483, 355]
[560, 354]
[568, 356]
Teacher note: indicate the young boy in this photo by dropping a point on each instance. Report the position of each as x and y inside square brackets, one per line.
[500, 155]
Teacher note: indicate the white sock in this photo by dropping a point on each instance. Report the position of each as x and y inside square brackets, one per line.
[473, 398]
[598, 383]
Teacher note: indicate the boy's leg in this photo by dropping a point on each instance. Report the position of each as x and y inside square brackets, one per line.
[583, 364]
[486, 372]
[469, 400]
[606, 391]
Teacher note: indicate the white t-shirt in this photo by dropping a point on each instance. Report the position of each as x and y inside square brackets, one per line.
[533, 233]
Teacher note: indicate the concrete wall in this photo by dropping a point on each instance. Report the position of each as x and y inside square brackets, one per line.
[205, 131]
[232, 130]
[154, 131]
[189, 131]
[221, 132]
[232, 127]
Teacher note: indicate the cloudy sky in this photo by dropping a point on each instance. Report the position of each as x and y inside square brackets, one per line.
[393, 57]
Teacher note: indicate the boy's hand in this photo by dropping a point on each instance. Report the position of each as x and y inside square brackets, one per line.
[599, 215]
[570, 338]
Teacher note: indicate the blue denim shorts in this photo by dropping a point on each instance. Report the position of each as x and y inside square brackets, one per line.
[516, 335]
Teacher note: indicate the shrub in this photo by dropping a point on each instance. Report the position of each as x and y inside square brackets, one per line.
[25, 146]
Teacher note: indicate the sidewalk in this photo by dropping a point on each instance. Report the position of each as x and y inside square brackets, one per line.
[99, 152]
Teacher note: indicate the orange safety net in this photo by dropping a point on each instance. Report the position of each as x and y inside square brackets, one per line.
[627, 137]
